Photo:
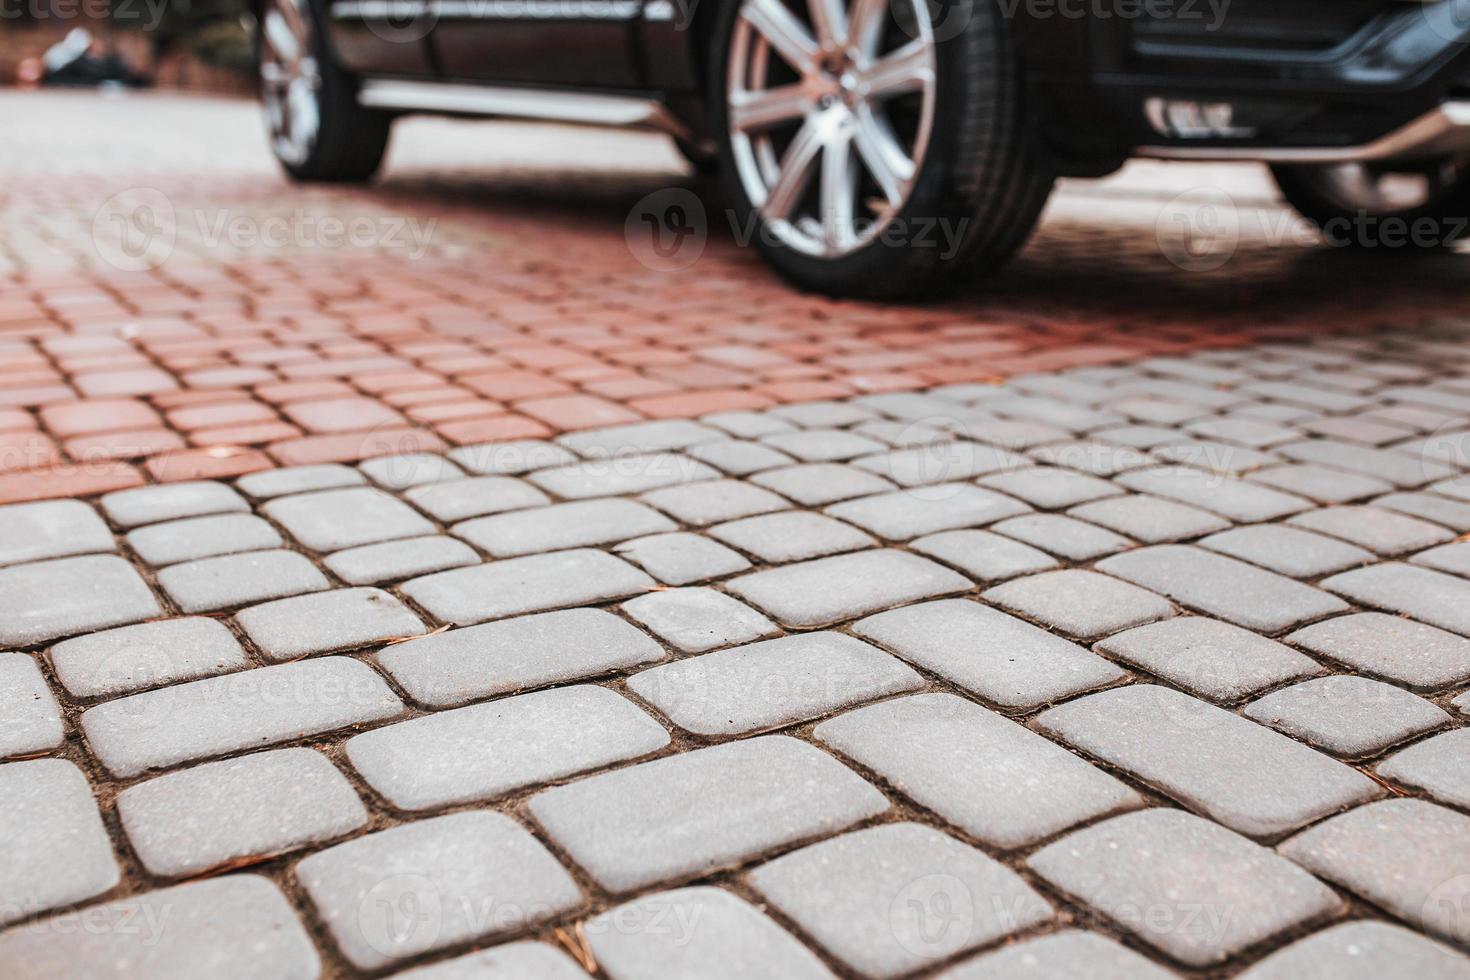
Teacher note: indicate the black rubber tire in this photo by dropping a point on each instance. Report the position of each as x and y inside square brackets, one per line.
[1447, 215]
[351, 141]
[704, 162]
[984, 167]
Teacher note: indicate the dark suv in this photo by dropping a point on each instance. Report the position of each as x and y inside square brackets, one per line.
[846, 130]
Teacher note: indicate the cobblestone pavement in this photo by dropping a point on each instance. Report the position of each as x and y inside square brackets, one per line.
[705, 630]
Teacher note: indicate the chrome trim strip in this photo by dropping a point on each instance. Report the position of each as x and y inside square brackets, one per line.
[1439, 132]
[521, 103]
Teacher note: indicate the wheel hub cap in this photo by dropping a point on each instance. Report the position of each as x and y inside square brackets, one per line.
[290, 79]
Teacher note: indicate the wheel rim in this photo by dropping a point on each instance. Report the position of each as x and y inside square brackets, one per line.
[290, 79]
[1383, 189]
[830, 114]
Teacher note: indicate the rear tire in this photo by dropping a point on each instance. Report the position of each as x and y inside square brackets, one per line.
[1358, 205]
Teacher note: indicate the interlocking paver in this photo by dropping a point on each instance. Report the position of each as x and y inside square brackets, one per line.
[1318, 483]
[1067, 537]
[49, 599]
[131, 658]
[1432, 597]
[51, 529]
[1209, 658]
[1429, 507]
[1235, 771]
[515, 654]
[984, 773]
[394, 561]
[1234, 499]
[1223, 587]
[1069, 953]
[1151, 520]
[984, 556]
[524, 585]
[257, 805]
[330, 520]
[866, 897]
[513, 960]
[1348, 716]
[1050, 488]
[1400, 469]
[1405, 856]
[820, 415]
[298, 479]
[644, 437]
[737, 457]
[1389, 646]
[906, 514]
[409, 470]
[248, 709]
[232, 928]
[772, 683]
[816, 484]
[682, 558]
[1186, 886]
[560, 526]
[30, 720]
[460, 877]
[944, 462]
[822, 445]
[828, 590]
[1004, 660]
[694, 620]
[1364, 950]
[512, 457]
[714, 500]
[211, 584]
[1380, 531]
[791, 536]
[692, 813]
[171, 542]
[327, 621]
[1287, 550]
[55, 850]
[698, 933]
[456, 500]
[1440, 766]
[1079, 603]
[148, 505]
[1098, 459]
[616, 475]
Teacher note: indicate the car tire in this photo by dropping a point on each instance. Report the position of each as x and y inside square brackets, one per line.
[1339, 200]
[317, 130]
[703, 159]
[978, 187]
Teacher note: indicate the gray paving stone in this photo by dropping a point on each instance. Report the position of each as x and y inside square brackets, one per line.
[327, 621]
[1309, 395]
[1183, 885]
[616, 475]
[689, 814]
[50, 599]
[560, 526]
[1004, 660]
[822, 415]
[822, 445]
[714, 500]
[1407, 857]
[1347, 716]
[515, 654]
[984, 773]
[818, 484]
[527, 960]
[1363, 950]
[640, 437]
[30, 720]
[1151, 520]
[524, 585]
[298, 479]
[984, 556]
[697, 933]
[131, 658]
[1141, 437]
[746, 425]
[1429, 507]
[394, 561]
[236, 580]
[737, 457]
[331, 520]
[1068, 537]
[792, 536]
[409, 470]
[51, 529]
[248, 709]
[694, 620]
[238, 927]
[906, 514]
[867, 897]
[202, 537]
[456, 500]
[1066, 955]
[1320, 483]
[263, 804]
[1209, 658]
[1242, 502]
[1388, 646]
[1429, 596]
[771, 684]
[511, 458]
[944, 462]
[432, 884]
[1223, 587]
[1247, 432]
[1400, 469]
[682, 558]
[1287, 550]
[487, 750]
[1241, 774]
[170, 501]
[1079, 603]
[55, 849]
[1440, 766]
[1380, 531]
[829, 590]
[1050, 487]
[1051, 411]
[1212, 457]
[903, 435]
[1088, 456]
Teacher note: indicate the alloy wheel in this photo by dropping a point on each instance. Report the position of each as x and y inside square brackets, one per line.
[290, 79]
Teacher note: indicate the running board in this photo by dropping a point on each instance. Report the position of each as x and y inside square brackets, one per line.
[587, 109]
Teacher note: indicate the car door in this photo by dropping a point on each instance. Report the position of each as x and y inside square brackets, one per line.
[381, 37]
[582, 43]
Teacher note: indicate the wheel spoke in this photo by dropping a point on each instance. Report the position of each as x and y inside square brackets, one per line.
[865, 25]
[774, 22]
[908, 69]
[839, 191]
[279, 38]
[890, 166]
[295, 19]
[751, 111]
[829, 19]
[796, 173]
